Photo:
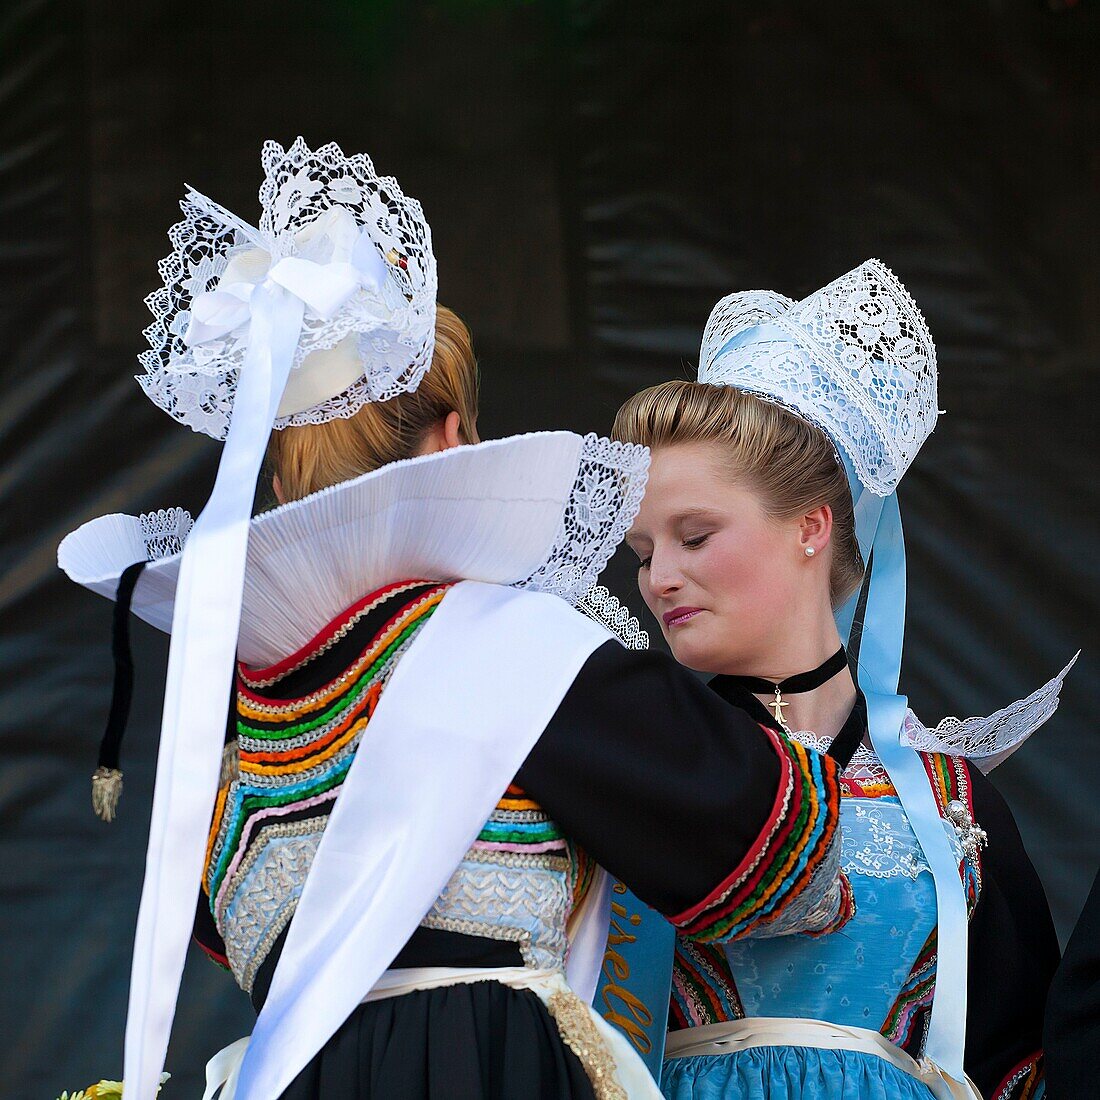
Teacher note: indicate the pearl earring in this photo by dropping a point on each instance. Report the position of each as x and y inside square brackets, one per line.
[810, 551]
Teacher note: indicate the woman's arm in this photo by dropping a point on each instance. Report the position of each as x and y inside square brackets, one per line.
[721, 825]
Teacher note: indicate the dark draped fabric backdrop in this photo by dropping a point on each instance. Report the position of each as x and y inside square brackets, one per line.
[597, 174]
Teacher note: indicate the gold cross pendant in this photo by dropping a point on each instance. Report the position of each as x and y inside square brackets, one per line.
[777, 704]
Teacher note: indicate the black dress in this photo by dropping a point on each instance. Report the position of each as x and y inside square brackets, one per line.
[642, 770]
[1073, 1009]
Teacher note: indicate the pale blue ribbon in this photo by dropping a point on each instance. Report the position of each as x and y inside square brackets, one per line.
[878, 530]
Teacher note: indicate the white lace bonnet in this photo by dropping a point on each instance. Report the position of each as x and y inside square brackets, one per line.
[345, 242]
[855, 358]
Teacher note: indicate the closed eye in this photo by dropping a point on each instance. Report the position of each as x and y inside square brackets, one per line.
[695, 543]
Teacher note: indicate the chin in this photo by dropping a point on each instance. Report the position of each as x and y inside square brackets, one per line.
[695, 654]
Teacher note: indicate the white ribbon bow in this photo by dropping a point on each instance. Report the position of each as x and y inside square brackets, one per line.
[323, 287]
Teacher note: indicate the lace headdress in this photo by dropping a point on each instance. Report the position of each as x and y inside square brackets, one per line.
[855, 358]
[344, 245]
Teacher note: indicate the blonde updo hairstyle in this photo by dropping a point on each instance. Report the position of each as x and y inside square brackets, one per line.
[314, 456]
[786, 461]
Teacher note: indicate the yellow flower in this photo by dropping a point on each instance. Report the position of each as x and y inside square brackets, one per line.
[104, 1090]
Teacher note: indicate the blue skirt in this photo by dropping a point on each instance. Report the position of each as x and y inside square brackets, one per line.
[788, 1073]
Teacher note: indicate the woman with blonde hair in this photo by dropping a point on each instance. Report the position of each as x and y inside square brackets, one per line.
[772, 487]
[431, 754]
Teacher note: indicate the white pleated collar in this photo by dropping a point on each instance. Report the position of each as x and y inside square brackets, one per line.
[542, 511]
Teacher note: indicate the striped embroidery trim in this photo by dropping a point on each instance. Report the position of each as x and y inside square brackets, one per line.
[852, 788]
[755, 855]
[247, 807]
[325, 638]
[950, 781]
[783, 862]
[252, 827]
[1024, 1081]
[263, 708]
[914, 995]
[320, 764]
[703, 987]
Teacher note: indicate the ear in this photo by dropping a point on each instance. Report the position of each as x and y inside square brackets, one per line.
[452, 431]
[815, 529]
[442, 435]
[277, 489]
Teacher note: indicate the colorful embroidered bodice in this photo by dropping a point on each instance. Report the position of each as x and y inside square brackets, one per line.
[299, 725]
[878, 971]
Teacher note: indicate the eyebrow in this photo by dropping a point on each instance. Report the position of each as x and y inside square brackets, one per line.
[692, 513]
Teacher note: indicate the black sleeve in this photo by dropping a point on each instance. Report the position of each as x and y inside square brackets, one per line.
[1013, 950]
[662, 782]
[1072, 1034]
[205, 933]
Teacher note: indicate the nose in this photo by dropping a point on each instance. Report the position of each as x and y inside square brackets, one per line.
[663, 578]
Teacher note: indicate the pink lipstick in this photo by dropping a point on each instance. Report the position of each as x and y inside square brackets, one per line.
[679, 615]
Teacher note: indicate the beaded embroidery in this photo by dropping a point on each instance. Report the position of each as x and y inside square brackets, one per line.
[519, 882]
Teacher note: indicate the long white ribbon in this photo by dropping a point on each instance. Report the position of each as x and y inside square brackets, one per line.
[458, 717]
[196, 699]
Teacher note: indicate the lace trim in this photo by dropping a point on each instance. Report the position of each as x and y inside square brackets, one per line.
[598, 604]
[394, 322]
[864, 767]
[164, 532]
[605, 498]
[989, 741]
[854, 358]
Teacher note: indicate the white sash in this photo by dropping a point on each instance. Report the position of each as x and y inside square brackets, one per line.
[777, 1031]
[457, 719]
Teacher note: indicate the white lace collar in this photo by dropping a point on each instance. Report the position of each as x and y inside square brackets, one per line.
[543, 512]
[864, 766]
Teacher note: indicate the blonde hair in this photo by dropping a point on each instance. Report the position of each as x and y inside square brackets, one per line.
[314, 456]
[789, 463]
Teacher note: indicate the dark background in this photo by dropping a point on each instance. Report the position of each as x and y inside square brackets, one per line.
[596, 175]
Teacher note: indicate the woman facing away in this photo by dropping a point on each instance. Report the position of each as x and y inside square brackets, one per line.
[750, 559]
[431, 754]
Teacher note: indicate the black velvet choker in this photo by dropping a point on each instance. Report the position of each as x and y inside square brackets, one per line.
[793, 685]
